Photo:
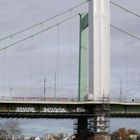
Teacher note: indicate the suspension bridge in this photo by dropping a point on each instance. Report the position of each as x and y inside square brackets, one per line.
[49, 71]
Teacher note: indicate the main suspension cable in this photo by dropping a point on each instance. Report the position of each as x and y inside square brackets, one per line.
[33, 35]
[42, 22]
[125, 32]
[131, 12]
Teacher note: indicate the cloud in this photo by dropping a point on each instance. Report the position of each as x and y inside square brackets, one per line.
[16, 15]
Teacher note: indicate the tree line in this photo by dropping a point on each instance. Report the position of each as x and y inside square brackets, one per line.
[125, 134]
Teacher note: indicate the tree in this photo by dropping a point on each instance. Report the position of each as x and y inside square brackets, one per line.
[13, 129]
[114, 135]
[132, 132]
[138, 138]
[122, 133]
[3, 132]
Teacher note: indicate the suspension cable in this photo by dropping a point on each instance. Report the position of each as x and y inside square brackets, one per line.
[11, 71]
[31, 66]
[58, 58]
[42, 22]
[40, 56]
[125, 32]
[5, 70]
[33, 35]
[131, 12]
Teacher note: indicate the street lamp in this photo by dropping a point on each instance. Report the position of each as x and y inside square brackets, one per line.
[44, 88]
[121, 89]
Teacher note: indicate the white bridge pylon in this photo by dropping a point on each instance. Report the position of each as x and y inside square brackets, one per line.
[99, 49]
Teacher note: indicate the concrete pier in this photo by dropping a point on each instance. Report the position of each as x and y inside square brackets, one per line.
[95, 137]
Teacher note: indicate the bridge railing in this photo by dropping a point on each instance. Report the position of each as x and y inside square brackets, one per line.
[47, 99]
[51, 99]
[126, 100]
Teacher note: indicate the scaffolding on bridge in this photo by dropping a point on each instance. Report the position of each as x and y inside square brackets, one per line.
[101, 117]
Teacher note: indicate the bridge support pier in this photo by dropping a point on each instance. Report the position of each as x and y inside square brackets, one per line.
[101, 120]
[82, 128]
[97, 127]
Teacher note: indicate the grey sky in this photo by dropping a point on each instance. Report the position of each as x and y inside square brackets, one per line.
[125, 50]
[18, 14]
[16, 67]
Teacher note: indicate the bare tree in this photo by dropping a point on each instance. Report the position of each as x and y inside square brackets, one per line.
[3, 132]
[13, 129]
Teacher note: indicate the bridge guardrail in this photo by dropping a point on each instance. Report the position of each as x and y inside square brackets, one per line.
[47, 99]
[51, 99]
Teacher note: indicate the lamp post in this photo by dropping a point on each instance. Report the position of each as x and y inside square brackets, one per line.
[44, 88]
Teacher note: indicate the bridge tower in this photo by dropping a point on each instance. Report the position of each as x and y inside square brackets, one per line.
[99, 49]
[99, 62]
[94, 77]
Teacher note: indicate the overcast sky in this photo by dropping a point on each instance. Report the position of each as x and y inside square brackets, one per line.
[24, 66]
[124, 49]
[52, 55]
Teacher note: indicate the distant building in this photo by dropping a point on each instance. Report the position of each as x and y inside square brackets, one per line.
[133, 137]
[59, 136]
[37, 138]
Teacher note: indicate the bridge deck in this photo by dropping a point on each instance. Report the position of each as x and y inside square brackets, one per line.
[64, 108]
[39, 100]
